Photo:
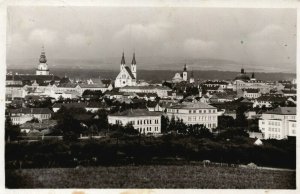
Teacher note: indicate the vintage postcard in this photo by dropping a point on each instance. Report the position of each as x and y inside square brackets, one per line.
[149, 96]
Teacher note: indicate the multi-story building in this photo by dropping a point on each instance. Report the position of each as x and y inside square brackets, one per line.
[161, 91]
[22, 115]
[142, 120]
[278, 123]
[195, 113]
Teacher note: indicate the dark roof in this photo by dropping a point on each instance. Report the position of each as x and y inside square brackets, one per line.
[31, 110]
[67, 85]
[70, 105]
[251, 90]
[192, 105]
[283, 111]
[136, 113]
[289, 91]
[151, 104]
[215, 82]
[129, 72]
[271, 98]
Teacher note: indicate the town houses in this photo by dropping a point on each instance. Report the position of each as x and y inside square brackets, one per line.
[127, 100]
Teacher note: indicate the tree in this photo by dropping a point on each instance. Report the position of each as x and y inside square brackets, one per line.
[225, 122]
[165, 122]
[241, 120]
[11, 131]
[70, 127]
[199, 131]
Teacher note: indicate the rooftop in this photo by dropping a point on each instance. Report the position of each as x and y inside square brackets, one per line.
[136, 113]
[192, 105]
[283, 111]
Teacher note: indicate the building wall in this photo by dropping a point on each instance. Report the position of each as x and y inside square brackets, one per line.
[144, 124]
[206, 117]
[18, 119]
[277, 126]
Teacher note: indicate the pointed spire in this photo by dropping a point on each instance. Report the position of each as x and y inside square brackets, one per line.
[123, 59]
[184, 69]
[253, 75]
[133, 59]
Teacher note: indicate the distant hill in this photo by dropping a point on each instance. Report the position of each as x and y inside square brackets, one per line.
[157, 74]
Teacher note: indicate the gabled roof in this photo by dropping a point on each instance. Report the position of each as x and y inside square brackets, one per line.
[136, 113]
[67, 85]
[271, 98]
[70, 105]
[31, 110]
[283, 111]
[129, 72]
[193, 105]
[251, 90]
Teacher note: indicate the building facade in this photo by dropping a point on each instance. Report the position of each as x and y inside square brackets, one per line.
[192, 113]
[278, 123]
[144, 121]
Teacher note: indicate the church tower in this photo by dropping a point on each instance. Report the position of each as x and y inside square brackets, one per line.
[42, 67]
[192, 80]
[122, 66]
[184, 74]
[133, 66]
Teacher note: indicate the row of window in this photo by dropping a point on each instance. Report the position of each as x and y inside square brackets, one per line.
[194, 111]
[203, 118]
[274, 136]
[274, 129]
[147, 129]
[140, 122]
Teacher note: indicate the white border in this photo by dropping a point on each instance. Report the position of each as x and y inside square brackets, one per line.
[132, 3]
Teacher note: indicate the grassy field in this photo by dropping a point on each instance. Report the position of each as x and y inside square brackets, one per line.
[187, 176]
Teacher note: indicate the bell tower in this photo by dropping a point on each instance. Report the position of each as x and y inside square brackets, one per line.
[43, 66]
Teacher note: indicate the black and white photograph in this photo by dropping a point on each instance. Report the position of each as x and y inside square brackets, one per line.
[149, 97]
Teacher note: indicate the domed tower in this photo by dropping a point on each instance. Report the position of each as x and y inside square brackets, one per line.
[133, 66]
[42, 67]
[184, 74]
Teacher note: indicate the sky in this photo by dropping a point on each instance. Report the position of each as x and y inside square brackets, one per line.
[162, 37]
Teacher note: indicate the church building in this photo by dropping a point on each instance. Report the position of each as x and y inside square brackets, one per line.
[127, 76]
[180, 77]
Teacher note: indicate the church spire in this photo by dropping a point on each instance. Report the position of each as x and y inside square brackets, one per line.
[133, 59]
[123, 59]
[184, 69]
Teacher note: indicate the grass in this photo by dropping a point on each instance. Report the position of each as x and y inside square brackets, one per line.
[160, 176]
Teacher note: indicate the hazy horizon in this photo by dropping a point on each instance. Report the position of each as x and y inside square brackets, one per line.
[163, 38]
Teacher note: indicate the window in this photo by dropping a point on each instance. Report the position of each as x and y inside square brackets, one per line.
[204, 111]
[194, 111]
[190, 111]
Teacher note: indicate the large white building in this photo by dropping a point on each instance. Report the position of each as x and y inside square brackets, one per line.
[193, 113]
[142, 120]
[127, 76]
[22, 115]
[161, 91]
[278, 123]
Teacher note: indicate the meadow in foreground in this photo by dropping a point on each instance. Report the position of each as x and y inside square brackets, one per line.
[152, 176]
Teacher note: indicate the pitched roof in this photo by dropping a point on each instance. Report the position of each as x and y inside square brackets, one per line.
[70, 105]
[136, 113]
[31, 110]
[283, 111]
[251, 90]
[150, 87]
[271, 98]
[129, 72]
[67, 85]
[192, 105]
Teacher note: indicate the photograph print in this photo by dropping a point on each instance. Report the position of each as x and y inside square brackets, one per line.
[150, 97]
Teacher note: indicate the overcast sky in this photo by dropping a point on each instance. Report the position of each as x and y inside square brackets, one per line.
[259, 38]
